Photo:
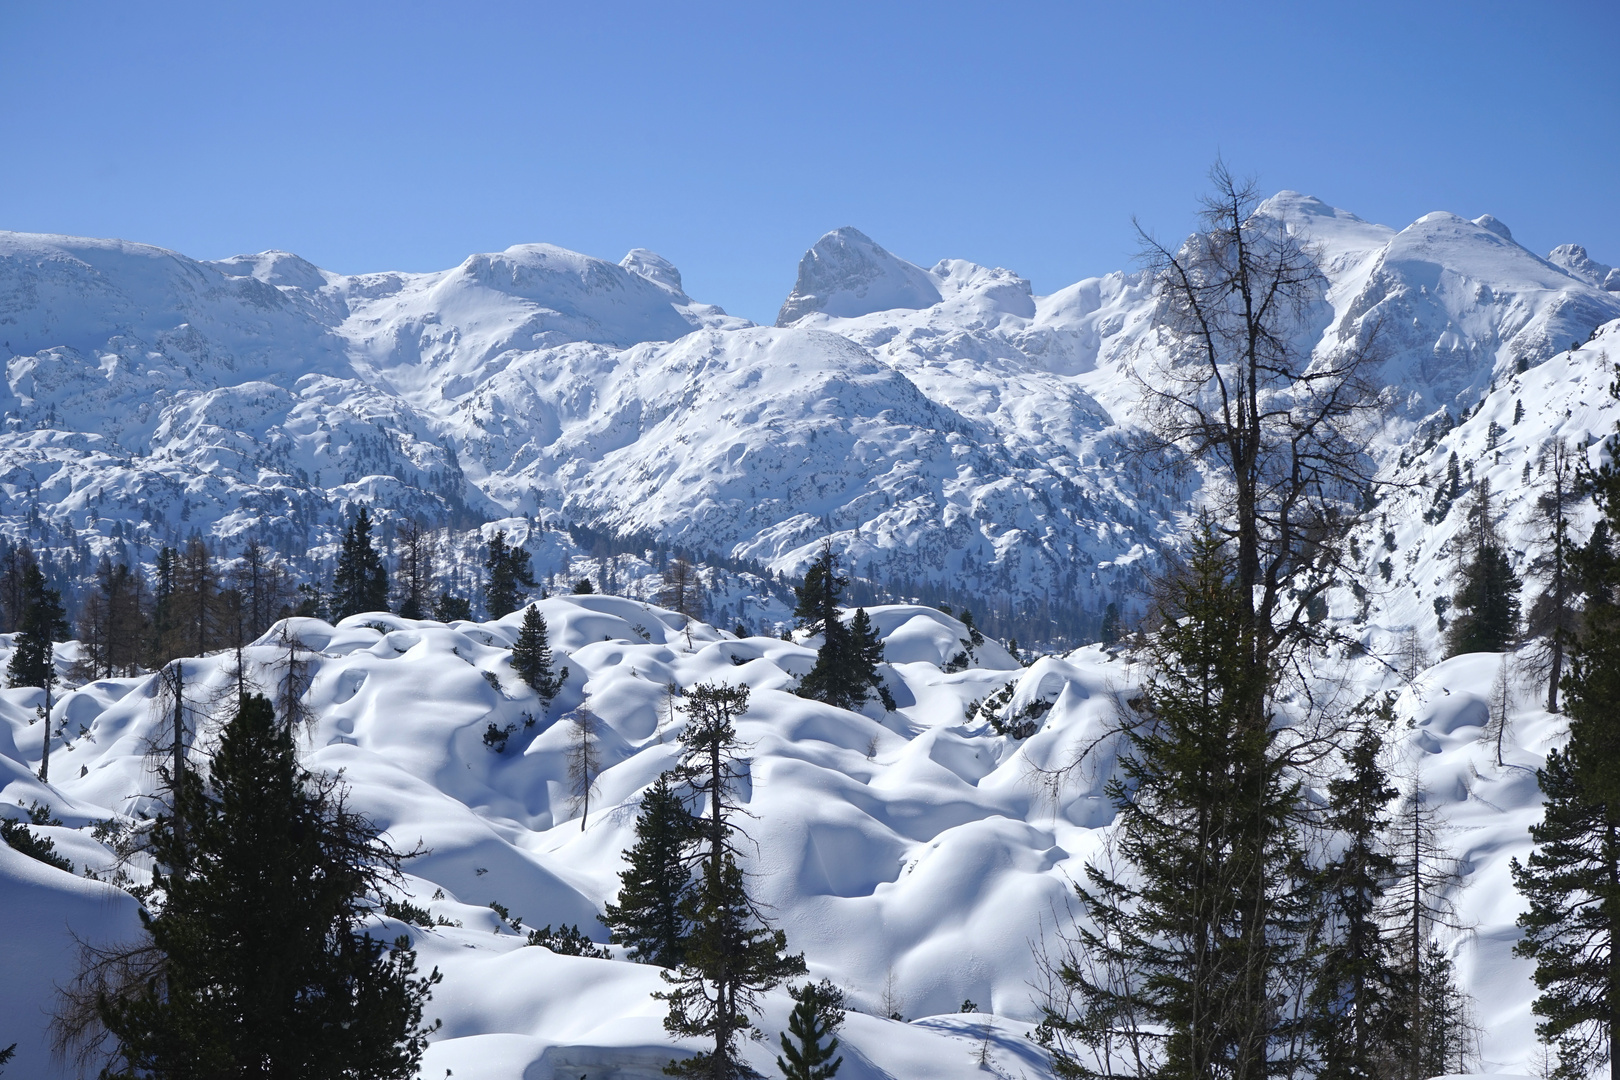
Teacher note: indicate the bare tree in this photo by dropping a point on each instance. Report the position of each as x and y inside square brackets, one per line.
[1420, 907]
[584, 759]
[1552, 614]
[1497, 725]
[265, 589]
[1275, 426]
[416, 550]
[683, 590]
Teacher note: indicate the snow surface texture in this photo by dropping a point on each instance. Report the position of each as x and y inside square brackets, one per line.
[914, 857]
[941, 424]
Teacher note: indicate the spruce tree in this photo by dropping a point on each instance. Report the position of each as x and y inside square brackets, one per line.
[1205, 927]
[33, 657]
[1358, 989]
[653, 888]
[360, 582]
[255, 961]
[1487, 596]
[1572, 878]
[1568, 883]
[818, 1011]
[732, 955]
[531, 657]
[509, 575]
[845, 671]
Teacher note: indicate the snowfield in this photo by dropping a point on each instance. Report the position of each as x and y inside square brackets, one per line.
[915, 857]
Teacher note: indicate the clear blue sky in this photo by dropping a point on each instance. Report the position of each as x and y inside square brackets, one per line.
[729, 136]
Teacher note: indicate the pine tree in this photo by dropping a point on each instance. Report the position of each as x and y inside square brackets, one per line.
[818, 1012]
[1205, 927]
[1487, 597]
[531, 657]
[732, 955]
[1553, 615]
[1572, 879]
[845, 671]
[254, 961]
[33, 657]
[1358, 987]
[508, 568]
[360, 582]
[1418, 907]
[1568, 884]
[653, 888]
[266, 589]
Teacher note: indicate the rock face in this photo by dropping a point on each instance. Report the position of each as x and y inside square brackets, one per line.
[846, 275]
[945, 426]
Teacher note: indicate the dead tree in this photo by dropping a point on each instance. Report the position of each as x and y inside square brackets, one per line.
[584, 760]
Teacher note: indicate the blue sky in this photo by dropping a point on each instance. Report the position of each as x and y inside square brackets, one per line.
[728, 137]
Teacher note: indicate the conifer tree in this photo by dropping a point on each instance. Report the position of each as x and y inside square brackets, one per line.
[1568, 883]
[532, 660]
[33, 658]
[1358, 989]
[652, 889]
[509, 575]
[265, 587]
[360, 582]
[845, 671]
[682, 589]
[732, 955]
[1571, 880]
[1553, 615]
[1206, 928]
[254, 960]
[818, 1012]
[1487, 597]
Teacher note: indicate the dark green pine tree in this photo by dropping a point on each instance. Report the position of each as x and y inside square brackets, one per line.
[652, 889]
[1355, 1002]
[819, 596]
[845, 671]
[255, 960]
[732, 955]
[360, 582]
[1203, 913]
[1569, 886]
[1487, 597]
[818, 1012]
[1572, 878]
[531, 657]
[33, 659]
[509, 575]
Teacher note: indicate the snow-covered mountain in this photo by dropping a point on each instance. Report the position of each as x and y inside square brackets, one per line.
[945, 426]
[940, 423]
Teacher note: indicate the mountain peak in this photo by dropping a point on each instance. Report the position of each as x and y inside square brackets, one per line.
[655, 268]
[847, 274]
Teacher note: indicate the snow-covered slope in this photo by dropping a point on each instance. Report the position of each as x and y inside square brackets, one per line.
[915, 857]
[946, 427]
